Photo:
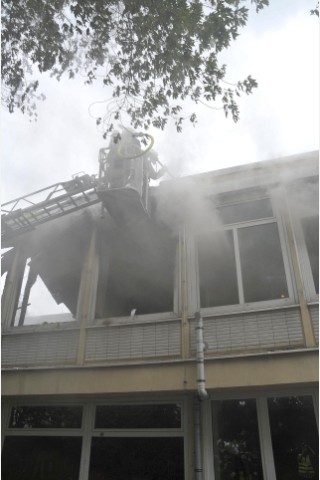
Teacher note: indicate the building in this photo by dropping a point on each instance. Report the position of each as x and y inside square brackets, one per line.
[107, 372]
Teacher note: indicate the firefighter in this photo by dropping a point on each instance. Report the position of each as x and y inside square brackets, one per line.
[305, 468]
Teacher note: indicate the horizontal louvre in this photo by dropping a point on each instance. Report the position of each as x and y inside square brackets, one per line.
[39, 348]
[314, 312]
[268, 329]
[133, 341]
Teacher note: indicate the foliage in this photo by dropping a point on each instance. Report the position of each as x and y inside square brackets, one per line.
[315, 11]
[154, 54]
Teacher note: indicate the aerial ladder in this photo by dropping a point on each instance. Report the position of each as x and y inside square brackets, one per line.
[121, 187]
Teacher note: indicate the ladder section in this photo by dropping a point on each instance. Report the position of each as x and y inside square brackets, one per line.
[19, 221]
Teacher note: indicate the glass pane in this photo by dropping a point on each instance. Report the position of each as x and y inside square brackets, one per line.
[217, 270]
[137, 459]
[244, 212]
[46, 417]
[294, 437]
[47, 458]
[262, 267]
[310, 228]
[138, 416]
[236, 440]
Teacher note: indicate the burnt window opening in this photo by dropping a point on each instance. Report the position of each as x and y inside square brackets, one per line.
[47, 276]
[38, 300]
[136, 275]
[241, 265]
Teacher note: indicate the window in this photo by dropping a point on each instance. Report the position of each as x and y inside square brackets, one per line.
[138, 416]
[294, 437]
[126, 441]
[242, 263]
[46, 417]
[236, 440]
[38, 457]
[217, 269]
[45, 273]
[265, 437]
[37, 304]
[137, 458]
[136, 272]
[148, 436]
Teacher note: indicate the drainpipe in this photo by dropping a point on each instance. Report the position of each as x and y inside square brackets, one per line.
[201, 381]
[202, 395]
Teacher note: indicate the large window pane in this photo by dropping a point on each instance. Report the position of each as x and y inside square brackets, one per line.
[236, 440]
[217, 270]
[138, 416]
[46, 417]
[262, 267]
[294, 437]
[137, 459]
[310, 226]
[49, 458]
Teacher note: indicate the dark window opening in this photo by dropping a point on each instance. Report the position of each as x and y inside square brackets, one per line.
[262, 265]
[217, 270]
[310, 227]
[49, 458]
[136, 273]
[137, 458]
[138, 416]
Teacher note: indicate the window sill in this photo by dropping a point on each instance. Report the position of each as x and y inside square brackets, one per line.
[247, 308]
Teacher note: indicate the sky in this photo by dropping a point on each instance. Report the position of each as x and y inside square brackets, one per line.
[279, 47]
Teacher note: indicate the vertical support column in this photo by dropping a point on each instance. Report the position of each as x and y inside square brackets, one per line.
[207, 440]
[5, 412]
[265, 439]
[12, 288]
[185, 330]
[87, 295]
[88, 414]
[307, 326]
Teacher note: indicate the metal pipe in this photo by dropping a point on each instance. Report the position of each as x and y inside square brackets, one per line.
[197, 439]
[202, 395]
[201, 381]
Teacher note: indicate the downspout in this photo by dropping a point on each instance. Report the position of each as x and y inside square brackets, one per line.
[202, 395]
[201, 381]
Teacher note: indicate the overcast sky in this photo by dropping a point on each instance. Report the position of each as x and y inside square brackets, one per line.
[279, 47]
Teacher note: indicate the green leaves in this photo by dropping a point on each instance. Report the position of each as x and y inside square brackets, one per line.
[152, 53]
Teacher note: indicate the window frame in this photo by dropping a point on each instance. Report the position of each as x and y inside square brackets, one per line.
[304, 260]
[261, 399]
[300, 243]
[87, 430]
[150, 317]
[242, 306]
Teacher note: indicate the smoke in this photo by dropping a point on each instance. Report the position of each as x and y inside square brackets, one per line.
[186, 201]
